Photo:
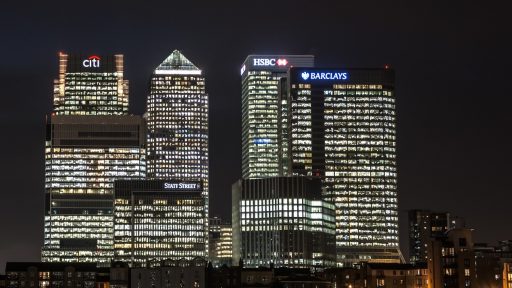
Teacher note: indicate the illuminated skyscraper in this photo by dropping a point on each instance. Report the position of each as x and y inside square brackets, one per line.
[177, 120]
[90, 85]
[90, 142]
[83, 157]
[282, 221]
[342, 128]
[158, 220]
[260, 109]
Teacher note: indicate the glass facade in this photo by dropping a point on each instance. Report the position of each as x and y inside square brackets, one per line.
[177, 120]
[284, 221]
[260, 109]
[156, 222]
[342, 128]
[220, 242]
[90, 85]
[83, 157]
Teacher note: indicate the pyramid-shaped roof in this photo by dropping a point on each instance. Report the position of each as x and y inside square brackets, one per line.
[176, 63]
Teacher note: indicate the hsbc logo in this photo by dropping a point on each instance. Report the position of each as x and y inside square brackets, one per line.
[92, 62]
[281, 62]
[269, 62]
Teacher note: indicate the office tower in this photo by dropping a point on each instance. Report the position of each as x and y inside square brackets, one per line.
[282, 221]
[158, 220]
[83, 157]
[177, 119]
[90, 85]
[260, 128]
[451, 260]
[220, 238]
[423, 226]
[342, 128]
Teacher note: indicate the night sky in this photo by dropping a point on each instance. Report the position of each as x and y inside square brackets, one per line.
[452, 62]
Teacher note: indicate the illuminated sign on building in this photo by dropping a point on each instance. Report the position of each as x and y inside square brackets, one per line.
[281, 62]
[242, 70]
[269, 62]
[92, 61]
[261, 141]
[324, 75]
[181, 186]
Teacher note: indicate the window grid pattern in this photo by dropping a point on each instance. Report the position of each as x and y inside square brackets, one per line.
[282, 221]
[91, 93]
[159, 226]
[82, 161]
[177, 120]
[260, 124]
[356, 158]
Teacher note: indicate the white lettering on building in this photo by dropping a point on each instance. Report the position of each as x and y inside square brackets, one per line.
[92, 61]
[269, 62]
[326, 76]
[180, 186]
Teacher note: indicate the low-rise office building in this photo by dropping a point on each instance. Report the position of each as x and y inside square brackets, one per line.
[158, 220]
[282, 221]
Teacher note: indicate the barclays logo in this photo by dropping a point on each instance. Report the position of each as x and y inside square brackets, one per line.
[324, 75]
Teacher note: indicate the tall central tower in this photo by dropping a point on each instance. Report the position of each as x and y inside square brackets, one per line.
[177, 121]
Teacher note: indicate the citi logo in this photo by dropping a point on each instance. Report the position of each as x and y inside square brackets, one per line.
[92, 61]
[305, 75]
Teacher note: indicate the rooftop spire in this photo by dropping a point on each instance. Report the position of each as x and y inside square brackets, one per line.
[176, 63]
